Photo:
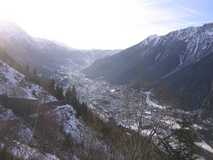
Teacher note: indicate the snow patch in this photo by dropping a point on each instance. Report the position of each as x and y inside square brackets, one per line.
[14, 84]
[151, 103]
[154, 38]
[11, 75]
[204, 146]
[196, 47]
[146, 132]
[112, 90]
[25, 152]
[172, 123]
[198, 127]
[67, 117]
[25, 134]
[210, 33]
[6, 114]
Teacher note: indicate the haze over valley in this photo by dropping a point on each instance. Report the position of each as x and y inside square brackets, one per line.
[149, 96]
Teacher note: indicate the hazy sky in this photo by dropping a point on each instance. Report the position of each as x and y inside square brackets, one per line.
[104, 24]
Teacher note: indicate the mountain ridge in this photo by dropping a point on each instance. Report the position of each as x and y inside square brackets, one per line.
[42, 53]
[157, 58]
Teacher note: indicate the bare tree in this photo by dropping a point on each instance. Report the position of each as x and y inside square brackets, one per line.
[139, 143]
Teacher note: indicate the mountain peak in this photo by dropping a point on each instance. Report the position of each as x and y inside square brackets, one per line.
[153, 38]
[208, 25]
[172, 52]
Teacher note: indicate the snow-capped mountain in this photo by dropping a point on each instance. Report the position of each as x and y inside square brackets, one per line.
[198, 41]
[159, 58]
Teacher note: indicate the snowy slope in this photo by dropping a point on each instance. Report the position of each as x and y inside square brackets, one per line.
[22, 141]
[16, 136]
[14, 84]
[66, 116]
[197, 41]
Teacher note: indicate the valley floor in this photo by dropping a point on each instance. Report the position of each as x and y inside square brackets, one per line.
[129, 108]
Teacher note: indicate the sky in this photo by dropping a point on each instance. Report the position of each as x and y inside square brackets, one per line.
[104, 24]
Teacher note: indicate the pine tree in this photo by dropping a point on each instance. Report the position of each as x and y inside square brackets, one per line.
[51, 87]
[74, 93]
[27, 69]
[71, 97]
[59, 92]
[68, 96]
[84, 108]
[35, 73]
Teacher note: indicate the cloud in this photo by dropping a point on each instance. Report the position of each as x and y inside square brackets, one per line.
[166, 12]
[191, 11]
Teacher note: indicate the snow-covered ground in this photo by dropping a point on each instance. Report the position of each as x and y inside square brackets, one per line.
[26, 153]
[20, 139]
[151, 102]
[204, 146]
[75, 128]
[124, 104]
[16, 137]
[128, 106]
[66, 116]
[6, 114]
[14, 84]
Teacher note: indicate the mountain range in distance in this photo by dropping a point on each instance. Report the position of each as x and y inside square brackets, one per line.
[179, 62]
[46, 118]
[47, 54]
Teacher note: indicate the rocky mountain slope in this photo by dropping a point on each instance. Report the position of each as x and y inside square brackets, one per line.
[180, 60]
[34, 124]
[40, 135]
[45, 54]
[15, 84]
